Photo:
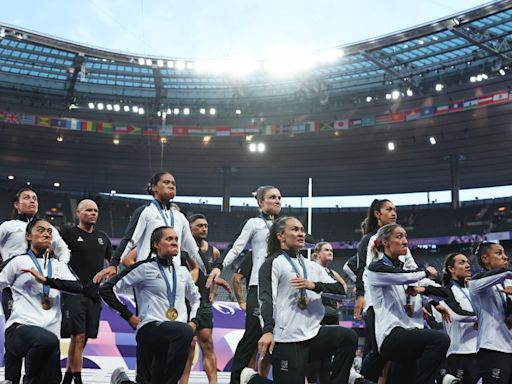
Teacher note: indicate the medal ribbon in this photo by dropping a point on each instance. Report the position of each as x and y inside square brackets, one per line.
[304, 270]
[265, 221]
[456, 284]
[46, 288]
[162, 214]
[171, 293]
[507, 303]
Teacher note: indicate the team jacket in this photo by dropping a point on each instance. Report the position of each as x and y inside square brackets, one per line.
[278, 299]
[255, 231]
[151, 291]
[387, 282]
[462, 329]
[27, 291]
[489, 304]
[13, 241]
[143, 222]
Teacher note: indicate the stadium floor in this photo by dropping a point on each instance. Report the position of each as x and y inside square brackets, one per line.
[102, 376]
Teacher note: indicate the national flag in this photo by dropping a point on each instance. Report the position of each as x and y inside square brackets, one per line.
[166, 130]
[120, 129]
[251, 130]
[2, 116]
[457, 106]
[268, 129]
[470, 103]
[368, 121]
[341, 124]
[284, 129]
[180, 131]
[428, 111]
[152, 131]
[442, 109]
[312, 126]
[27, 119]
[13, 118]
[412, 114]
[58, 123]
[74, 124]
[44, 121]
[105, 127]
[500, 97]
[298, 128]
[222, 131]
[356, 123]
[485, 100]
[195, 132]
[382, 119]
[397, 117]
[134, 129]
[237, 132]
[326, 125]
[89, 126]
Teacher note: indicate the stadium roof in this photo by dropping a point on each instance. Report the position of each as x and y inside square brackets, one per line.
[44, 75]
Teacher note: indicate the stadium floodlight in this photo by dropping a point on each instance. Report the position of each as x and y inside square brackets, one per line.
[238, 112]
[421, 42]
[200, 66]
[484, 76]
[502, 72]
[207, 139]
[253, 147]
[91, 105]
[472, 79]
[116, 141]
[241, 66]
[213, 111]
[100, 106]
[109, 107]
[2, 32]
[164, 140]
[160, 63]
[142, 61]
[141, 111]
[391, 146]
[478, 77]
[409, 92]
[395, 94]
[439, 87]
[286, 62]
[170, 64]
[117, 107]
[330, 55]
[186, 111]
[126, 108]
[261, 147]
[176, 111]
[135, 109]
[435, 38]
[369, 99]
[159, 113]
[169, 111]
[56, 184]
[180, 65]
[432, 140]
[60, 138]
[388, 96]
[11, 177]
[190, 65]
[149, 62]
[202, 111]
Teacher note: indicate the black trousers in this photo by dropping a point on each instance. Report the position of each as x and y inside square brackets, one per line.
[249, 342]
[416, 354]
[12, 363]
[289, 360]
[465, 367]
[166, 344]
[319, 371]
[373, 362]
[495, 367]
[40, 348]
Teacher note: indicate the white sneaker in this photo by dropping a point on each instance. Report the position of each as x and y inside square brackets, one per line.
[353, 376]
[450, 379]
[246, 375]
[119, 376]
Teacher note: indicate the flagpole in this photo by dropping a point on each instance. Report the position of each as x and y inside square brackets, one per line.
[310, 209]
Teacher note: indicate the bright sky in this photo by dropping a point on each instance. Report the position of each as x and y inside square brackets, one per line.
[223, 28]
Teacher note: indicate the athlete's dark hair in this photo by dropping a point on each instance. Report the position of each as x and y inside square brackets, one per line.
[481, 249]
[16, 199]
[156, 236]
[273, 243]
[371, 220]
[195, 217]
[154, 181]
[449, 262]
[30, 226]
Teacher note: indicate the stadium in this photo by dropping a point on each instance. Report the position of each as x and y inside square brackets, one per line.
[422, 110]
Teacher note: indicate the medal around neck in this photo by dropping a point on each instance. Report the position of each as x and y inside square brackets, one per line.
[171, 313]
[302, 302]
[409, 310]
[46, 303]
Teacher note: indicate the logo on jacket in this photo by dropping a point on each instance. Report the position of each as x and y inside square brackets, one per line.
[80, 240]
[496, 373]
[100, 241]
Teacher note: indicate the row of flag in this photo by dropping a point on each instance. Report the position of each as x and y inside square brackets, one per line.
[281, 129]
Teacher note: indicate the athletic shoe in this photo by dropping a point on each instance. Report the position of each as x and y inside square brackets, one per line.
[450, 379]
[246, 375]
[354, 376]
[119, 376]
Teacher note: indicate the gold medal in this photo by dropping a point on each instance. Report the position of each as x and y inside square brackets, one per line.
[508, 322]
[171, 313]
[409, 310]
[302, 302]
[46, 303]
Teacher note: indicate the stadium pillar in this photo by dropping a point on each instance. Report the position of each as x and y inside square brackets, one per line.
[226, 188]
[455, 179]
